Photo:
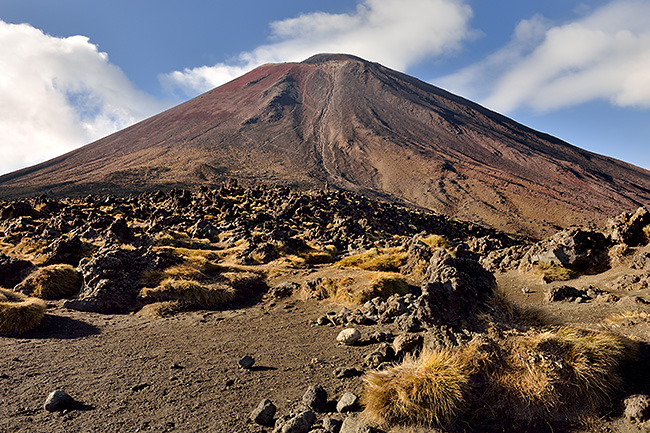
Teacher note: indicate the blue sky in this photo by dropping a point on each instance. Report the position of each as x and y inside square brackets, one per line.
[72, 71]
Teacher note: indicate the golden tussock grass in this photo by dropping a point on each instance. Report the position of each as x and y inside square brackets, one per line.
[19, 313]
[551, 374]
[436, 241]
[428, 390]
[162, 309]
[554, 272]
[190, 292]
[362, 288]
[52, 282]
[382, 259]
[627, 318]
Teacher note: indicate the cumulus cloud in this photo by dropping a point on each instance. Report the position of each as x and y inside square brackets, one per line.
[57, 94]
[602, 56]
[396, 33]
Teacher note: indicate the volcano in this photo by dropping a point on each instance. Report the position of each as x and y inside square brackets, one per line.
[341, 122]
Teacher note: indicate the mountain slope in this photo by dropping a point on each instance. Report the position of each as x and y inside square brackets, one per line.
[355, 125]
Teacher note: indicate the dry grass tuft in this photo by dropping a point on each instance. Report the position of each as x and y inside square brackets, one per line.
[19, 313]
[429, 390]
[52, 282]
[553, 272]
[627, 318]
[159, 310]
[383, 259]
[436, 241]
[317, 257]
[190, 292]
[361, 289]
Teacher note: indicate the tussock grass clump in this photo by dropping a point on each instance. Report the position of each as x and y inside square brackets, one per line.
[382, 259]
[361, 289]
[553, 272]
[52, 282]
[190, 292]
[158, 310]
[436, 241]
[19, 313]
[508, 377]
[317, 257]
[627, 318]
[429, 390]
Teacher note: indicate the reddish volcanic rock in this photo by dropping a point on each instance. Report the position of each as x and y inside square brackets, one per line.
[354, 125]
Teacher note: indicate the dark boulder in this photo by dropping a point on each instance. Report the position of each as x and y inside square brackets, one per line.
[112, 280]
[13, 270]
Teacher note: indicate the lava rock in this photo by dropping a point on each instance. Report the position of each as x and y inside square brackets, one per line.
[351, 425]
[347, 403]
[344, 372]
[112, 280]
[332, 425]
[349, 336]
[246, 362]
[264, 412]
[13, 270]
[58, 401]
[300, 423]
[315, 398]
[637, 408]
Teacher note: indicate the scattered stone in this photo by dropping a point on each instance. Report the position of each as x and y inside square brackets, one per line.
[13, 270]
[315, 398]
[628, 228]
[351, 425]
[140, 387]
[284, 290]
[563, 293]
[246, 362]
[264, 413]
[332, 425]
[58, 401]
[349, 336]
[637, 408]
[344, 372]
[347, 403]
[381, 354]
[300, 423]
[405, 343]
[380, 337]
[641, 260]
[575, 248]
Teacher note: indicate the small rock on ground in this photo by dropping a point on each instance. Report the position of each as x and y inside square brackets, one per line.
[57, 401]
[349, 336]
[246, 362]
[347, 403]
[315, 398]
[637, 408]
[264, 412]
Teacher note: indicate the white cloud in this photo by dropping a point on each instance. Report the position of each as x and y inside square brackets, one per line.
[396, 33]
[602, 56]
[57, 94]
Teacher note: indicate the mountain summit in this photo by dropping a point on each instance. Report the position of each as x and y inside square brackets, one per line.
[351, 124]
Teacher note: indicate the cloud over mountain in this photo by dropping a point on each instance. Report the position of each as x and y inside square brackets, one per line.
[397, 33]
[59, 93]
[605, 55]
